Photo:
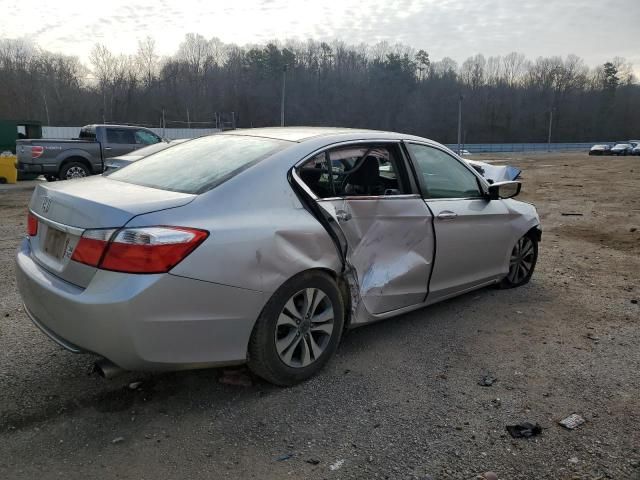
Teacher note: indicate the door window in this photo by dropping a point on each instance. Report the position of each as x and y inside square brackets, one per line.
[358, 170]
[146, 138]
[443, 176]
[123, 136]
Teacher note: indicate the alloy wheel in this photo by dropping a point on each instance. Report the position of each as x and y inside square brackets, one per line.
[75, 172]
[522, 260]
[304, 328]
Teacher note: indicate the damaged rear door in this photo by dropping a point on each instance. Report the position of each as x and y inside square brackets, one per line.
[388, 228]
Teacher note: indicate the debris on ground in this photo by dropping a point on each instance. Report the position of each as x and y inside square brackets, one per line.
[117, 440]
[312, 461]
[572, 421]
[283, 457]
[134, 385]
[524, 430]
[336, 465]
[239, 378]
[574, 460]
[487, 380]
[571, 214]
[489, 476]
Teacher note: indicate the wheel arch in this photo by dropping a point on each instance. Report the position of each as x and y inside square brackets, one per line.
[75, 158]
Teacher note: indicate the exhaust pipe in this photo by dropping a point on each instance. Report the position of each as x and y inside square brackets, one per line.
[107, 369]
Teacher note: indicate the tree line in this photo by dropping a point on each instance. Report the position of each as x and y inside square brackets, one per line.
[389, 87]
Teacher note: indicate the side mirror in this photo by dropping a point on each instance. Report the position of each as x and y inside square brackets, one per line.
[504, 190]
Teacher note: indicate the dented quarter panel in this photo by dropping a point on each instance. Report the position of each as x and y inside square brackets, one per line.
[260, 234]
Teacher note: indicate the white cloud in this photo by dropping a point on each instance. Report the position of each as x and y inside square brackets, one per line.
[596, 31]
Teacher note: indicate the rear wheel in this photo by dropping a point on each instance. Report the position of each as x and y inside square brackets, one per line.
[298, 331]
[524, 257]
[74, 170]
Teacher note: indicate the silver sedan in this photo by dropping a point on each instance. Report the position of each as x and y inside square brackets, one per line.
[261, 246]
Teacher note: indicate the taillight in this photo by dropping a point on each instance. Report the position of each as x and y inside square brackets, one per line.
[36, 151]
[32, 225]
[91, 246]
[138, 250]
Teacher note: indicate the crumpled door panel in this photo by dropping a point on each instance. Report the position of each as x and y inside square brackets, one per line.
[390, 248]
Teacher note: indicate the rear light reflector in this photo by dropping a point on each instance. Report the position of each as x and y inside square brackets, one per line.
[32, 225]
[36, 151]
[138, 250]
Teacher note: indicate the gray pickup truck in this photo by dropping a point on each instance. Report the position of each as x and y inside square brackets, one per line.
[82, 156]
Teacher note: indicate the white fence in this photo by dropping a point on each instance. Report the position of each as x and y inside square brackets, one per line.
[170, 133]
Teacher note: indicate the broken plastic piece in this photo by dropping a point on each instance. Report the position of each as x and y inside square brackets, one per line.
[572, 421]
[524, 430]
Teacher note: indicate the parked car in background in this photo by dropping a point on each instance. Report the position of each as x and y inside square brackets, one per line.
[65, 159]
[600, 149]
[636, 150]
[261, 246]
[120, 161]
[621, 149]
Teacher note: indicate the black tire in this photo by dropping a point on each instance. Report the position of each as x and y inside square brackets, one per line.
[74, 170]
[264, 359]
[515, 278]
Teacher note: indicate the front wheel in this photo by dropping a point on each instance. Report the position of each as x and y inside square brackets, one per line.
[522, 262]
[298, 331]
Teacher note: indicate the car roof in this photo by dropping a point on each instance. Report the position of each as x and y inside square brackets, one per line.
[301, 134]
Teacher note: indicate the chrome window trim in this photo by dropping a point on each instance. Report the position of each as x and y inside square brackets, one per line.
[372, 197]
[58, 226]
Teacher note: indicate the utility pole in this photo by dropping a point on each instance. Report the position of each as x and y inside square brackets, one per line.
[550, 124]
[46, 107]
[164, 124]
[188, 120]
[460, 98]
[284, 90]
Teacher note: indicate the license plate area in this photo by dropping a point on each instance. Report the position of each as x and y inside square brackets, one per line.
[55, 243]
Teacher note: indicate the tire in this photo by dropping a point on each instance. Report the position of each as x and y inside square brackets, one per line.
[280, 349]
[73, 170]
[524, 257]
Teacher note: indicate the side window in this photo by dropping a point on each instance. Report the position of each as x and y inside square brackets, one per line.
[124, 136]
[443, 176]
[146, 138]
[354, 171]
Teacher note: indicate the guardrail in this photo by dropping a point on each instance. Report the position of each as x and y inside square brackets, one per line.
[170, 133]
[525, 147]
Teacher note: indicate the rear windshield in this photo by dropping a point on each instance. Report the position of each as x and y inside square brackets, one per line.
[199, 165]
[87, 133]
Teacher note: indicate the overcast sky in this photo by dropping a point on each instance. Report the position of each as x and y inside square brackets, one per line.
[596, 30]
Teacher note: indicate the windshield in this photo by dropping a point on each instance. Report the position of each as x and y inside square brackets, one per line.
[201, 164]
[623, 145]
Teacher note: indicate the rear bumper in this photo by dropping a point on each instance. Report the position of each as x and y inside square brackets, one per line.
[36, 168]
[141, 322]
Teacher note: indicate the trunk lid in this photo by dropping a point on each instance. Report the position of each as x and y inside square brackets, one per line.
[65, 209]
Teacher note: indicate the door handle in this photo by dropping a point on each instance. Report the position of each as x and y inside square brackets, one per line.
[447, 215]
[107, 148]
[343, 216]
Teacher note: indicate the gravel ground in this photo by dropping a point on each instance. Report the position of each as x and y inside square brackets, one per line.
[401, 400]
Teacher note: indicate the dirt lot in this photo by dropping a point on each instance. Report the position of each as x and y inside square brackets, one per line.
[401, 400]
